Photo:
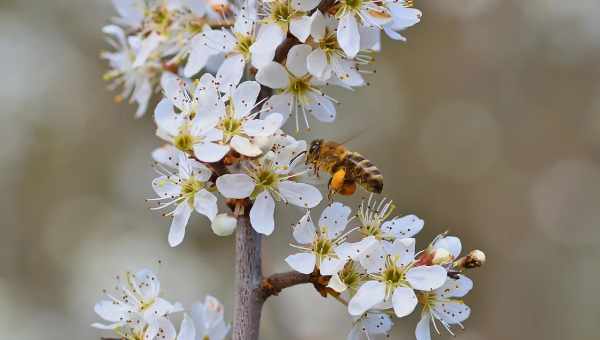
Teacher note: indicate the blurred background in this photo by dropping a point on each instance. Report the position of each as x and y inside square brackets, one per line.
[486, 123]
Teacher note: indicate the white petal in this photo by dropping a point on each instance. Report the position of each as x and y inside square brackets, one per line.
[187, 330]
[263, 127]
[403, 17]
[205, 203]
[179, 223]
[422, 332]
[230, 72]
[359, 249]
[404, 249]
[244, 98]
[219, 40]
[244, 146]
[451, 244]
[331, 265]
[165, 187]
[149, 44]
[318, 26]
[166, 119]
[261, 214]
[316, 63]
[346, 72]
[377, 323]
[368, 295]
[300, 194]
[348, 36]
[296, 60]
[166, 155]
[235, 185]
[373, 259]
[407, 226]
[370, 38]
[304, 5]
[141, 95]
[273, 75]
[455, 287]
[452, 312]
[198, 57]
[336, 284]
[130, 11]
[279, 103]
[210, 152]
[304, 231]
[302, 262]
[426, 278]
[284, 156]
[334, 218]
[322, 108]
[404, 301]
[157, 310]
[110, 311]
[175, 90]
[207, 95]
[267, 40]
[300, 27]
[147, 284]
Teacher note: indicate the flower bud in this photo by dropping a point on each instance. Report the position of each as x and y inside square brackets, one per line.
[441, 256]
[474, 259]
[223, 225]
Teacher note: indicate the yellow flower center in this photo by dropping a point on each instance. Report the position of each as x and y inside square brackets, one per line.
[243, 44]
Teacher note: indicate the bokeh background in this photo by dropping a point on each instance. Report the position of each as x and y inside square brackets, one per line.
[486, 123]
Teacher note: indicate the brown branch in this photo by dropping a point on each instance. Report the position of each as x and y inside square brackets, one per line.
[274, 284]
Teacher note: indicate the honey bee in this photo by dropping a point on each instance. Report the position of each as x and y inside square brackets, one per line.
[347, 168]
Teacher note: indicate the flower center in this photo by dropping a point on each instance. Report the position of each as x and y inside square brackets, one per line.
[189, 188]
[393, 275]
[161, 19]
[281, 12]
[349, 275]
[266, 179]
[299, 87]
[329, 43]
[184, 141]
[322, 246]
[231, 126]
[425, 299]
[243, 44]
[350, 5]
[371, 229]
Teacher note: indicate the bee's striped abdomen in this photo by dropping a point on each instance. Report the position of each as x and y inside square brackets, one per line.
[365, 172]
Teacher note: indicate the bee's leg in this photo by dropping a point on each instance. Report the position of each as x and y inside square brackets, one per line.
[337, 181]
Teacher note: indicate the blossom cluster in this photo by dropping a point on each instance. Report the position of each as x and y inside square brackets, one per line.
[381, 276]
[231, 75]
[216, 64]
[136, 311]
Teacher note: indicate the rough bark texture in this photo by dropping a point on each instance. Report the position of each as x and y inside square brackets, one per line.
[249, 297]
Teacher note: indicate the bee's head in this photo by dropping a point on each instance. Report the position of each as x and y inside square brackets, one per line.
[314, 150]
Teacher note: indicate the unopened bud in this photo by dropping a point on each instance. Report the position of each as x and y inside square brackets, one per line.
[474, 259]
[223, 225]
[441, 256]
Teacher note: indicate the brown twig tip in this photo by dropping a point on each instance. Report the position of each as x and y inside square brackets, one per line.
[274, 284]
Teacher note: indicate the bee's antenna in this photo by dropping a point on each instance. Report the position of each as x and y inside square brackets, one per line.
[297, 156]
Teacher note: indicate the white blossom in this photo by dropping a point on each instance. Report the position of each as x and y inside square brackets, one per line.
[371, 324]
[299, 89]
[374, 215]
[267, 179]
[394, 277]
[136, 82]
[137, 311]
[238, 124]
[324, 247]
[192, 129]
[288, 16]
[328, 58]
[444, 305]
[187, 191]
[208, 319]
